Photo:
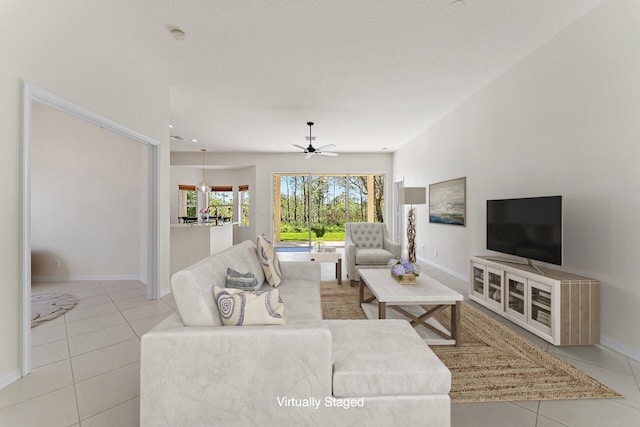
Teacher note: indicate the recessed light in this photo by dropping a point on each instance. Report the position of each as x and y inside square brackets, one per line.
[194, 140]
[170, 126]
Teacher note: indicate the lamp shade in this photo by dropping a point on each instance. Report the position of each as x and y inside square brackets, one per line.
[412, 196]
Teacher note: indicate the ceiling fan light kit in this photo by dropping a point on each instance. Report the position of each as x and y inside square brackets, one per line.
[310, 150]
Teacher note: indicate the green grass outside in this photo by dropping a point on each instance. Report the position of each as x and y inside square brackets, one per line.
[328, 236]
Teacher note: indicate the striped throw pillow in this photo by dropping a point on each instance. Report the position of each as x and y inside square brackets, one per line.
[245, 282]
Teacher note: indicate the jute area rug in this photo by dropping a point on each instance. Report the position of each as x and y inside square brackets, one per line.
[493, 363]
[48, 306]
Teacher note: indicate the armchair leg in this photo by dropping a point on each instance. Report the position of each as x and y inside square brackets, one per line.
[353, 283]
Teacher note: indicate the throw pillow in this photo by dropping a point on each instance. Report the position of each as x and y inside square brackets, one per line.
[269, 261]
[239, 308]
[245, 282]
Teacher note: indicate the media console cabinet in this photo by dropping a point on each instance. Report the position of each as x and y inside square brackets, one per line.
[559, 307]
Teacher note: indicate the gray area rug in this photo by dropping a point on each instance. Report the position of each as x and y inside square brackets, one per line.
[48, 306]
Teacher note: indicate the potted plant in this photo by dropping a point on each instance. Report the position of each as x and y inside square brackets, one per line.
[319, 230]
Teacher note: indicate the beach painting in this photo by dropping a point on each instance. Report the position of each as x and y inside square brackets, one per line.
[447, 202]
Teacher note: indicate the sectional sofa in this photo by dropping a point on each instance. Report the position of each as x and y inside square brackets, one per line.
[196, 372]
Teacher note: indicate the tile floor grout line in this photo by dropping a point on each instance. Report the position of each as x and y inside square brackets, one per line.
[73, 378]
[125, 318]
[570, 359]
[621, 402]
[104, 348]
[121, 403]
[80, 420]
[634, 373]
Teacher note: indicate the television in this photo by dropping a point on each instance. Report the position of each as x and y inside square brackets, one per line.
[530, 228]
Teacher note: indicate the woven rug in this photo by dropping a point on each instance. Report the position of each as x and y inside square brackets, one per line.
[493, 363]
[48, 306]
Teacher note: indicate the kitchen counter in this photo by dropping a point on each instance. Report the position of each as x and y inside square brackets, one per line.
[192, 242]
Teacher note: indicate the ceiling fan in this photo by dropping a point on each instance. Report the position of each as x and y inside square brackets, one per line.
[311, 150]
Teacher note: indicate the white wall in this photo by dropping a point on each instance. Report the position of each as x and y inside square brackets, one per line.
[268, 164]
[88, 199]
[83, 62]
[564, 121]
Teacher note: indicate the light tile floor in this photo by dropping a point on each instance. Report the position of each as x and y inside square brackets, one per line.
[87, 363]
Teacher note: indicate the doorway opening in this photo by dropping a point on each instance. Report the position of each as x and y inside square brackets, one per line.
[33, 94]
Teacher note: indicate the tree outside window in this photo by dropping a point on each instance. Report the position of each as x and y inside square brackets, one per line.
[187, 201]
[221, 203]
[243, 197]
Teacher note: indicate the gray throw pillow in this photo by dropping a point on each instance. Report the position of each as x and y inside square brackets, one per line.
[244, 282]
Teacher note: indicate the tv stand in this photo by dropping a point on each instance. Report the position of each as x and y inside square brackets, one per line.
[559, 307]
[517, 261]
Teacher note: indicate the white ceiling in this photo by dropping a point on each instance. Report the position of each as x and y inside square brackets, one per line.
[372, 74]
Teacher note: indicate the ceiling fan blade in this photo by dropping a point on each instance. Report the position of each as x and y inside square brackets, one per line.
[300, 147]
[326, 147]
[327, 153]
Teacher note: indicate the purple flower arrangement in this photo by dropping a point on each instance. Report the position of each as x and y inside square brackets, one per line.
[402, 266]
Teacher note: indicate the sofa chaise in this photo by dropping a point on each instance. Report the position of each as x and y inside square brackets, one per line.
[195, 372]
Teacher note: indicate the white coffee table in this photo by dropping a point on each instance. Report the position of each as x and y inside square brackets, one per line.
[329, 255]
[409, 301]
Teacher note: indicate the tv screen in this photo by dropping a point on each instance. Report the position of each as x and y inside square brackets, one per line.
[530, 228]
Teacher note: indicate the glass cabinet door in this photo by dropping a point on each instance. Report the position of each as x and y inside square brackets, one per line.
[516, 291]
[494, 289]
[540, 301]
[478, 286]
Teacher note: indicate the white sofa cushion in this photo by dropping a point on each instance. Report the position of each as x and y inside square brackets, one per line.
[384, 358]
[194, 307]
[243, 258]
[192, 288]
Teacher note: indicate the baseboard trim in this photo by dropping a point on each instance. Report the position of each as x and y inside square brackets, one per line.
[10, 378]
[444, 269]
[79, 278]
[165, 292]
[619, 348]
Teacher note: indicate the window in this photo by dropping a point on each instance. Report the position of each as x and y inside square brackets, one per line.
[187, 202]
[243, 197]
[221, 203]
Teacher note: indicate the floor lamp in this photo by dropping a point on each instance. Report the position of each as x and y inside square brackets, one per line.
[412, 196]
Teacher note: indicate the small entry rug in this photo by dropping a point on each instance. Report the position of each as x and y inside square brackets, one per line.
[493, 363]
[48, 306]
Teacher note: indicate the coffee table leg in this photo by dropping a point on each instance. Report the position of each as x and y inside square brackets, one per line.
[382, 310]
[339, 271]
[361, 291]
[455, 322]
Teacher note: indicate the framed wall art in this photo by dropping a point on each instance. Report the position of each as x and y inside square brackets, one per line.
[448, 202]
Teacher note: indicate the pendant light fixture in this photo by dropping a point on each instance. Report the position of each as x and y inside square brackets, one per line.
[203, 187]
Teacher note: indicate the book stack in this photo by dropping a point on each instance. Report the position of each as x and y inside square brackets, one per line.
[544, 297]
[516, 305]
[544, 318]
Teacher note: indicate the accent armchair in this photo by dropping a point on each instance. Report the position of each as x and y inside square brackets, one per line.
[367, 245]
